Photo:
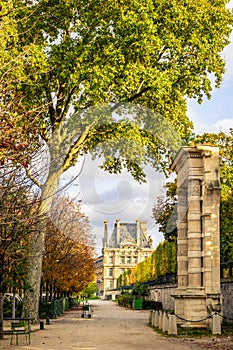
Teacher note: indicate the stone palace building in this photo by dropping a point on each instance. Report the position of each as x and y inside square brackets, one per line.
[127, 246]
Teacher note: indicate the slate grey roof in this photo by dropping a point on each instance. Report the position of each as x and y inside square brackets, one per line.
[134, 233]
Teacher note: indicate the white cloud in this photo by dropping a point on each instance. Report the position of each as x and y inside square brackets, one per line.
[211, 122]
[221, 125]
[106, 196]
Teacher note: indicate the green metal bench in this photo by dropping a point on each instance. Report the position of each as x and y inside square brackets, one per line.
[20, 328]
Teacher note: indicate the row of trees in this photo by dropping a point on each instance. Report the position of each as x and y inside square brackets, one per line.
[68, 264]
[18, 219]
[163, 261]
[67, 66]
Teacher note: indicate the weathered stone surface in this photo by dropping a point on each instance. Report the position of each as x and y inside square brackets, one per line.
[172, 325]
[216, 324]
[198, 293]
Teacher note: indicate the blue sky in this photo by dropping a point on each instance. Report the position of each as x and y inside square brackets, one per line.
[110, 197]
[216, 114]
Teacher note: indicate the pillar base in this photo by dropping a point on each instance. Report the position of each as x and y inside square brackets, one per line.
[193, 310]
[190, 308]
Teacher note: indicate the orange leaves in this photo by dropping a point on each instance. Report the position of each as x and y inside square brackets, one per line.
[68, 263]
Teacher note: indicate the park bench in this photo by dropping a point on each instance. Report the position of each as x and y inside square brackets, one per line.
[18, 326]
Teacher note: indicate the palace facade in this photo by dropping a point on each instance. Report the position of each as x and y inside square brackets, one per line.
[127, 246]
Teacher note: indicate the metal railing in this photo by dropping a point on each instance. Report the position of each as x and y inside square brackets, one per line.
[226, 269]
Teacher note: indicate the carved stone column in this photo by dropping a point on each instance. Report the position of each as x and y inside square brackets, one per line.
[198, 293]
[182, 255]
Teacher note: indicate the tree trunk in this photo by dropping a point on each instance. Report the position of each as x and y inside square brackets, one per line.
[47, 292]
[13, 305]
[2, 290]
[1, 316]
[32, 293]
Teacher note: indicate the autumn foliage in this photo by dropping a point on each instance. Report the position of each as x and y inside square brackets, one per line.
[68, 264]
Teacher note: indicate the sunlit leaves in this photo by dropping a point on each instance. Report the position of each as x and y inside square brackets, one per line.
[20, 63]
[165, 215]
[102, 52]
[163, 261]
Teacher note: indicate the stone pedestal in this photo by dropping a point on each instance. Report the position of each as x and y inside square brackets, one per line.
[198, 293]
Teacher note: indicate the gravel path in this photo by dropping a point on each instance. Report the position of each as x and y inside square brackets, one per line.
[110, 327]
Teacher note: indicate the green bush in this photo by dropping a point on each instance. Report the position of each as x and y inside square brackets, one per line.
[57, 307]
[125, 299]
[7, 309]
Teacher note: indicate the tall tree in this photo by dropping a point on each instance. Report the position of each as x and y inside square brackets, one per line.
[18, 218]
[101, 56]
[68, 266]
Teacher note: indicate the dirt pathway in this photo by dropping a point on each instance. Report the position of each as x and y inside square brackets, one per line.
[110, 327]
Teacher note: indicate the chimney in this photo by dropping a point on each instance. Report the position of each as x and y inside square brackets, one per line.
[138, 232]
[105, 239]
[118, 231]
[144, 228]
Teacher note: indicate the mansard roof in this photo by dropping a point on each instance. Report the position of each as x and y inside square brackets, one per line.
[129, 234]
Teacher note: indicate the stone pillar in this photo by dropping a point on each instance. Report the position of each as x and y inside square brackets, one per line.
[153, 318]
[165, 322]
[198, 293]
[216, 324]
[195, 281]
[160, 319]
[182, 256]
[156, 319]
[150, 317]
[172, 325]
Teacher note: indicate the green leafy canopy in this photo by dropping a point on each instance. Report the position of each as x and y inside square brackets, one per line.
[104, 53]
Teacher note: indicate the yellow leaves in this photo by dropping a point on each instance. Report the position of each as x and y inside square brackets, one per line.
[69, 257]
